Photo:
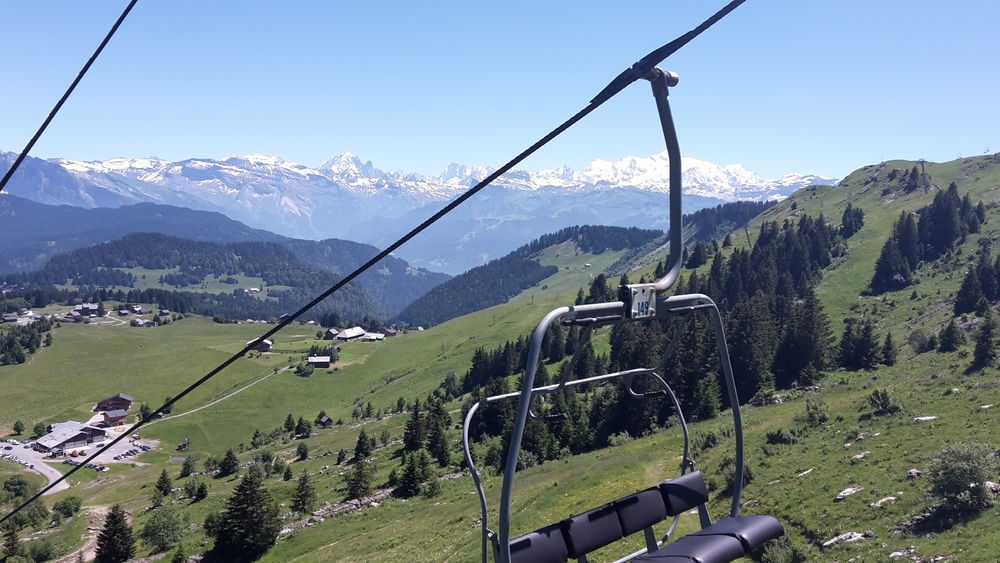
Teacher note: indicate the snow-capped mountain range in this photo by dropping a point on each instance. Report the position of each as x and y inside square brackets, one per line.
[346, 197]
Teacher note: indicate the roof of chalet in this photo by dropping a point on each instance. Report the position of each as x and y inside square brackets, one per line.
[353, 332]
[63, 431]
[128, 398]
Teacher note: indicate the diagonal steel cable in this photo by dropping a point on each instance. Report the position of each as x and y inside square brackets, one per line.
[635, 72]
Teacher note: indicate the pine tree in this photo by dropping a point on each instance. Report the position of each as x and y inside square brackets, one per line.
[891, 270]
[202, 493]
[230, 464]
[187, 468]
[985, 351]
[305, 495]
[908, 240]
[302, 451]
[363, 447]
[249, 525]
[888, 353]
[415, 431]
[115, 543]
[164, 485]
[11, 542]
[951, 337]
[359, 484]
[852, 220]
[287, 476]
[416, 470]
[437, 433]
[289, 423]
[969, 295]
[18, 427]
[302, 428]
[705, 399]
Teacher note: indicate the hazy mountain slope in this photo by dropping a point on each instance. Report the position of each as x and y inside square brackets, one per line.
[41, 231]
[498, 280]
[205, 276]
[37, 232]
[393, 283]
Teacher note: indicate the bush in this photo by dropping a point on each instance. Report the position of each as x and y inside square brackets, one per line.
[68, 506]
[959, 476]
[727, 468]
[42, 550]
[619, 439]
[705, 442]
[817, 412]
[781, 436]
[883, 404]
[780, 550]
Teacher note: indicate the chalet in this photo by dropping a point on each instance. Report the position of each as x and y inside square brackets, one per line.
[68, 435]
[113, 418]
[86, 309]
[118, 401]
[123, 312]
[142, 323]
[373, 337]
[390, 332]
[136, 309]
[330, 334]
[164, 312]
[325, 421]
[10, 318]
[351, 333]
[319, 361]
[260, 345]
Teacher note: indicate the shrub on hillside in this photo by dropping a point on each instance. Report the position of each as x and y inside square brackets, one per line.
[781, 436]
[959, 476]
[883, 404]
[817, 412]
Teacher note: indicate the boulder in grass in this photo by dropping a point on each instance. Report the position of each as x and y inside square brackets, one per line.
[847, 492]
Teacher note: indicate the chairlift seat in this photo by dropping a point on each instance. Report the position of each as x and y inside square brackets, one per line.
[752, 531]
[684, 493]
[544, 545]
[592, 530]
[641, 510]
[700, 549]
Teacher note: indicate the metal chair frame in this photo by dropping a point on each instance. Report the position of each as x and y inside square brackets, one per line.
[638, 302]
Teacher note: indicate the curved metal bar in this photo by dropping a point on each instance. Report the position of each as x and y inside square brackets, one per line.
[475, 477]
[734, 400]
[520, 419]
[660, 82]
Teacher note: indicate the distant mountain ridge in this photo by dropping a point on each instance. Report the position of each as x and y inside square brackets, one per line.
[36, 232]
[349, 198]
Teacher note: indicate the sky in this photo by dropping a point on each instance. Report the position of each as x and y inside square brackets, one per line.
[811, 87]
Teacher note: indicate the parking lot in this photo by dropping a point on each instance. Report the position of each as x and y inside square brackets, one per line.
[23, 454]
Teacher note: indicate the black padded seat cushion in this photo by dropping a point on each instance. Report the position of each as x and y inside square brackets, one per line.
[544, 545]
[752, 531]
[701, 549]
[684, 493]
[641, 510]
[591, 530]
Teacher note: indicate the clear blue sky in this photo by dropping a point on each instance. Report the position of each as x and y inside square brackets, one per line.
[821, 87]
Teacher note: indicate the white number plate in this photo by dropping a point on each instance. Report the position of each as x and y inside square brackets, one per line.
[643, 302]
